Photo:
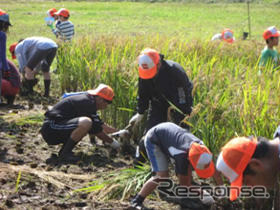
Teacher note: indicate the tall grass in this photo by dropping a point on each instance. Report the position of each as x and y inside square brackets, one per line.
[229, 97]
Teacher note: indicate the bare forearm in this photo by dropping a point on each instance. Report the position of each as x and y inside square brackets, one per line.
[108, 129]
[104, 137]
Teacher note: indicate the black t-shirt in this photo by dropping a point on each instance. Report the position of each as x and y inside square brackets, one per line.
[82, 105]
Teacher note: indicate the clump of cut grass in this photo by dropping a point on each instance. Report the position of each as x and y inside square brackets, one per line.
[120, 184]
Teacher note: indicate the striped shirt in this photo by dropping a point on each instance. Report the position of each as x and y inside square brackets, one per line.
[64, 30]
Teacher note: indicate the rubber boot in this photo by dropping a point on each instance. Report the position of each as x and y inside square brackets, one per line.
[47, 84]
[66, 154]
[10, 99]
[30, 85]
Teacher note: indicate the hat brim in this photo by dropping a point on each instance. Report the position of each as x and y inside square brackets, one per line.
[235, 188]
[276, 35]
[229, 40]
[207, 172]
[92, 92]
[147, 73]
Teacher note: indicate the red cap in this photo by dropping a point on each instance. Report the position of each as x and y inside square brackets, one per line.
[12, 50]
[200, 157]
[104, 91]
[63, 12]
[147, 61]
[270, 32]
[233, 160]
[51, 12]
[227, 35]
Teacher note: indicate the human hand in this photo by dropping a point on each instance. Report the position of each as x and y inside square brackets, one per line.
[115, 144]
[136, 119]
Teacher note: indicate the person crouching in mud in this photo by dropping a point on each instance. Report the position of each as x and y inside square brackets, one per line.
[74, 117]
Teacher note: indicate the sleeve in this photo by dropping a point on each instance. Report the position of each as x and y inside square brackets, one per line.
[96, 124]
[183, 96]
[181, 164]
[14, 75]
[56, 30]
[143, 96]
[3, 59]
[21, 58]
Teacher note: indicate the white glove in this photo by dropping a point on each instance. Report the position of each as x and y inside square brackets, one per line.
[121, 133]
[207, 199]
[136, 119]
[115, 144]
[277, 132]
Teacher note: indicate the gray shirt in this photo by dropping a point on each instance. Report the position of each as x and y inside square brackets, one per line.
[175, 142]
[173, 139]
[29, 46]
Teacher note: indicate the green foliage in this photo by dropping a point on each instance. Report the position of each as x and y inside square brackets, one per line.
[119, 184]
[230, 98]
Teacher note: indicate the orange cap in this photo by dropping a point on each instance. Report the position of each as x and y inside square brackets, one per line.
[227, 35]
[51, 12]
[200, 156]
[12, 50]
[233, 160]
[147, 61]
[63, 12]
[270, 32]
[104, 91]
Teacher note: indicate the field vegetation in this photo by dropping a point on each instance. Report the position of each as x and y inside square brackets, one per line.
[231, 98]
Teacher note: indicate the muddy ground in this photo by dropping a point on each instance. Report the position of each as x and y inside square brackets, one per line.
[30, 180]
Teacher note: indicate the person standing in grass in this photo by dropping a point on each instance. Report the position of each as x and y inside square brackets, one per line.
[226, 35]
[34, 53]
[52, 18]
[76, 116]
[162, 84]
[168, 140]
[4, 27]
[269, 55]
[65, 29]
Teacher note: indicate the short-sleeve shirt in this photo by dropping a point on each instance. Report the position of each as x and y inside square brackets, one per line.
[82, 105]
[269, 56]
[175, 142]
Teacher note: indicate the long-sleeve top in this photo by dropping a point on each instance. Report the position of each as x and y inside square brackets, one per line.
[170, 84]
[3, 59]
[64, 30]
[29, 46]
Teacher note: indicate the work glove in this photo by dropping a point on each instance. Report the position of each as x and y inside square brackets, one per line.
[115, 144]
[207, 199]
[277, 132]
[121, 133]
[136, 119]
